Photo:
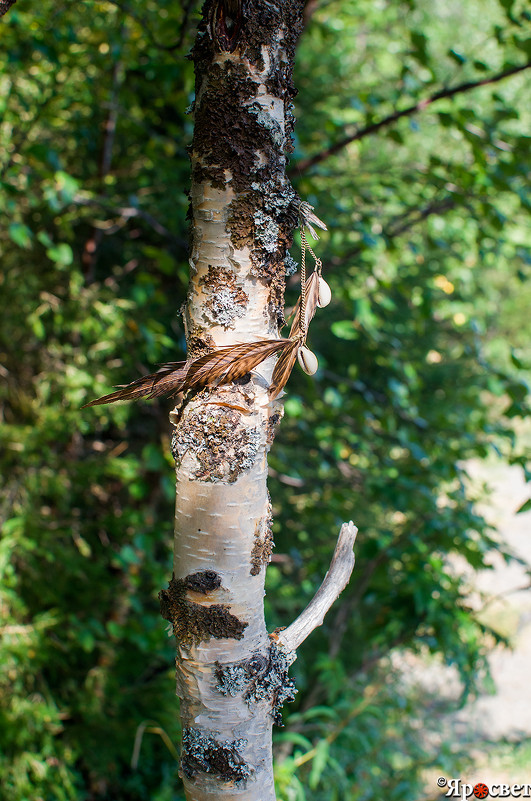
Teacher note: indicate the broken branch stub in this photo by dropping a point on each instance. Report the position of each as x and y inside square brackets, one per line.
[334, 583]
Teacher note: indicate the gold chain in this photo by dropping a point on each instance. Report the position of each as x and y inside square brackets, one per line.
[318, 267]
[304, 245]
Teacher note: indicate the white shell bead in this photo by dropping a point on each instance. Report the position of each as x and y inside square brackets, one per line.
[324, 293]
[307, 360]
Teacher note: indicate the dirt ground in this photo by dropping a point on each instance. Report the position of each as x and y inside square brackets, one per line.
[494, 730]
[507, 713]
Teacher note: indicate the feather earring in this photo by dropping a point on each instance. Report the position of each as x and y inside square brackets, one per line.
[220, 366]
[230, 362]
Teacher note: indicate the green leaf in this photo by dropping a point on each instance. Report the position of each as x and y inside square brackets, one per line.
[525, 507]
[21, 235]
[419, 40]
[458, 57]
[320, 712]
[344, 329]
[61, 254]
[66, 185]
[45, 239]
[295, 738]
[319, 761]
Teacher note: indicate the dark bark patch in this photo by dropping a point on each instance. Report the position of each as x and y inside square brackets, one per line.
[199, 343]
[226, 134]
[215, 176]
[202, 753]
[261, 28]
[240, 222]
[263, 543]
[225, 25]
[262, 678]
[259, 24]
[278, 80]
[272, 425]
[263, 25]
[222, 446]
[204, 581]
[194, 623]
[279, 83]
[226, 300]
[276, 297]
[289, 126]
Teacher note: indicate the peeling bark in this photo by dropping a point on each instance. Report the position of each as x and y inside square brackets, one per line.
[231, 678]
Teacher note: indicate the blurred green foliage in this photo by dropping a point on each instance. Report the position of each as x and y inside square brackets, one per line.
[423, 367]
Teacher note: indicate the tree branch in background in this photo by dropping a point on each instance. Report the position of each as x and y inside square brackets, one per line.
[89, 254]
[412, 217]
[125, 213]
[142, 21]
[400, 225]
[442, 94]
[187, 10]
[5, 5]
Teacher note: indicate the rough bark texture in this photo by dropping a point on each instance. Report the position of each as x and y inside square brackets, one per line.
[231, 678]
[5, 5]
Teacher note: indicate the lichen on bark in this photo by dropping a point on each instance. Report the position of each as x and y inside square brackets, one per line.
[223, 446]
[201, 752]
[261, 678]
[263, 542]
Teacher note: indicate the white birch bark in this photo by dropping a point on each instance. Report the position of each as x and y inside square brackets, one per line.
[231, 677]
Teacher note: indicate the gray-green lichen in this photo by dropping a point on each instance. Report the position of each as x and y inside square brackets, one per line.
[223, 309]
[221, 444]
[231, 679]
[290, 265]
[277, 193]
[225, 298]
[262, 678]
[266, 231]
[202, 753]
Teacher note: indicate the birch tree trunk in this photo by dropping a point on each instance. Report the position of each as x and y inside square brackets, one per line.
[231, 676]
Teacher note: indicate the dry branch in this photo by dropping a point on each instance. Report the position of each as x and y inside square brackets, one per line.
[333, 585]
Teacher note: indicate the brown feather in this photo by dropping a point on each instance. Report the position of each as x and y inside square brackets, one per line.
[230, 362]
[283, 368]
[312, 296]
[250, 360]
[222, 366]
[164, 381]
[288, 357]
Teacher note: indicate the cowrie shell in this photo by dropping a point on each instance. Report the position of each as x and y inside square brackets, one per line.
[307, 360]
[324, 294]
